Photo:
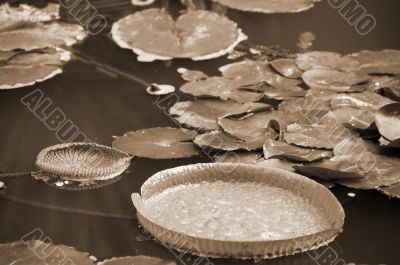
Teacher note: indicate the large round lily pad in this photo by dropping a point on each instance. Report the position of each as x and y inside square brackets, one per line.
[154, 35]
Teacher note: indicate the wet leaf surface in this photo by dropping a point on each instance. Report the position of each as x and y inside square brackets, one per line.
[39, 253]
[279, 149]
[139, 260]
[379, 62]
[363, 101]
[191, 75]
[269, 6]
[158, 143]
[239, 157]
[203, 114]
[197, 34]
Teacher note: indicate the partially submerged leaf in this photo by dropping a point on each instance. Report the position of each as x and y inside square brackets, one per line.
[391, 191]
[279, 149]
[388, 86]
[203, 114]
[137, 260]
[387, 120]
[35, 252]
[326, 60]
[197, 34]
[220, 87]
[269, 6]
[334, 80]
[287, 67]
[356, 118]
[158, 143]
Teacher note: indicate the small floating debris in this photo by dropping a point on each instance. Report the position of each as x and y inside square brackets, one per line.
[158, 90]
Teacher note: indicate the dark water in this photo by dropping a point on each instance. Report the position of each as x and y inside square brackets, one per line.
[103, 105]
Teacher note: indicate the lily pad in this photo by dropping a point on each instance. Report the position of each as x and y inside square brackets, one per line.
[326, 60]
[197, 34]
[391, 191]
[387, 120]
[34, 35]
[279, 149]
[158, 143]
[357, 119]
[287, 67]
[251, 127]
[221, 87]
[379, 62]
[269, 6]
[364, 101]
[36, 252]
[334, 80]
[388, 86]
[277, 163]
[27, 68]
[139, 260]
[223, 141]
[203, 114]
[239, 157]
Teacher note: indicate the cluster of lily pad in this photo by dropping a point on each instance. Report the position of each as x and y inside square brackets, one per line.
[32, 44]
[321, 114]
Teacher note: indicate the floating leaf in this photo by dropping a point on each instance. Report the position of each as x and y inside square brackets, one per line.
[23, 12]
[388, 86]
[220, 87]
[326, 60]
[34, 35]
[158, 143]
[334, 80]
[250, 72]
[142, 2]
[139, 260]
[379, 62]
[278, 149]
[203, 114]
[357, 119]
[363, 101]
[391, 144]
[223, 141]
[387, 120]
[287, 67]
[276, 163]
[251, 127]
[269, 6]
[27, 68]
[281, 94]
[198, 35]
[39, 253]
[156, 89]
[191, 75]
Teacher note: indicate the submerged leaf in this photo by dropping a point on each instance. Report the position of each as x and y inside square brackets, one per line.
[198, 35]
[158, 143]
[203, 114]
[278, 149]
[139, 260]
[334, 80]
[269, 6]
[36, 252]
[221, 87]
